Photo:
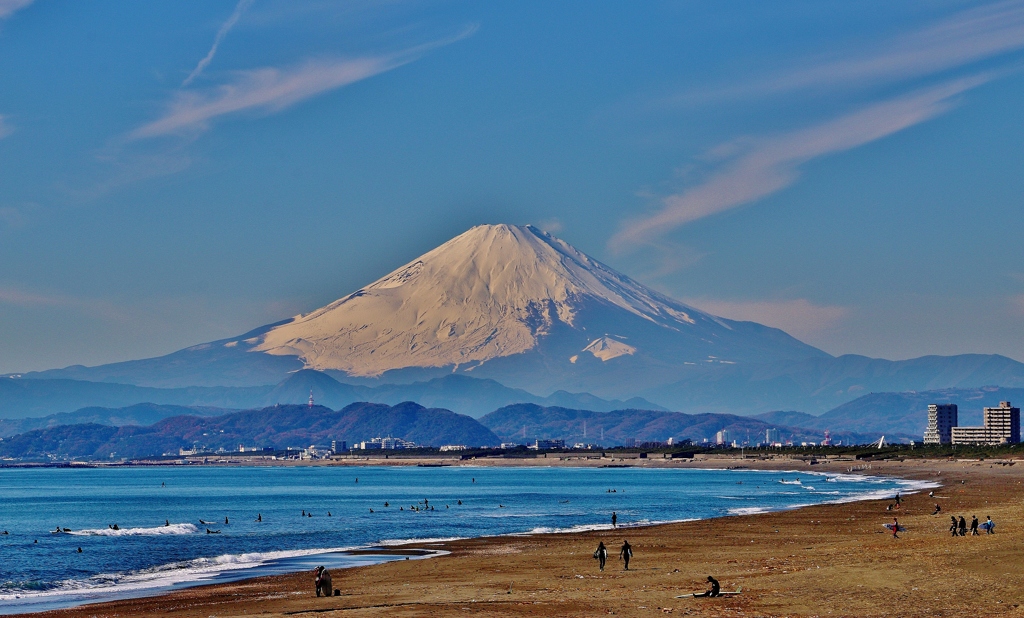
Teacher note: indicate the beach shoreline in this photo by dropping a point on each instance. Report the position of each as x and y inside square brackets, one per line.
[479, 564]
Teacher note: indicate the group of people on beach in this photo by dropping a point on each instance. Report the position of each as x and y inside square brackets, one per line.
[958, 527]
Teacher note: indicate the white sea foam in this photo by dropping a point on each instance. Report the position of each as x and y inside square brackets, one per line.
[437, 539]
[171, 529]
[749, 510]
[163, 575]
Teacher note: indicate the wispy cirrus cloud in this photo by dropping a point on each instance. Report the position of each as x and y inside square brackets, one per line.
[240, 8]
[94, 306]
[269, 90]
[769, 165]
[10, 7]
[962, 39]
[798, 317]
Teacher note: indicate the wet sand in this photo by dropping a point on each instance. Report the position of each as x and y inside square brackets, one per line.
[830, 560]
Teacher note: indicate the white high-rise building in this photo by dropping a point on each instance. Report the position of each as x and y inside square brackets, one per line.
[1002, 426]
[722, 437]
[942, 418]
[771, 436]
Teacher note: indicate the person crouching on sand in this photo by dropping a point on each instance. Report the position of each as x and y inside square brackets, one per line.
[714, 589]
[601, 554]
[322, 581]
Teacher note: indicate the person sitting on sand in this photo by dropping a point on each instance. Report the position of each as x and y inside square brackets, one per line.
[626, 553]
[322, 581]
[601, 554]
[937, 510]
[714, 589]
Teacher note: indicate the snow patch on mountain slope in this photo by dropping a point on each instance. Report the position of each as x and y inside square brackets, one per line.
[607, 348]
[490, 292]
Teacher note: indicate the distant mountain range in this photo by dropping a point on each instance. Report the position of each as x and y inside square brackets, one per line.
[619, 427]
[277, 426]
[498, 315]
[25, 398]
[146, 430]
[896, 414]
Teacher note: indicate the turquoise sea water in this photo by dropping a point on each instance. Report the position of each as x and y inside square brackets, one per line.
[41, 569]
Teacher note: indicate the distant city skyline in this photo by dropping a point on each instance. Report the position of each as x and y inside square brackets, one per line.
[171, 174]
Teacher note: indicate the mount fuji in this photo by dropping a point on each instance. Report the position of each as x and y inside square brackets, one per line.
[520, 306]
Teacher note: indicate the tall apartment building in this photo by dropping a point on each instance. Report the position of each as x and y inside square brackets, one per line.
[1002, 426]
[722, 437]
[771, 436]
[942, 418]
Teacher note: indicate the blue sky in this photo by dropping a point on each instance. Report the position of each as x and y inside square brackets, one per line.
[173, 173]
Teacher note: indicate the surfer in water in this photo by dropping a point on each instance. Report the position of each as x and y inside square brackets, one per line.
[601, 554]
[259, 516]
[714, 589]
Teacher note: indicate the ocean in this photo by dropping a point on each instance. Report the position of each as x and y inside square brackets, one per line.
[310, 515]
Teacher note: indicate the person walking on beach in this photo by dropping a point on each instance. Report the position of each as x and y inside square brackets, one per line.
[974, 525]
[990, 526]
[962, 528]
[626, 553]
[615, 519]
[601, 554]
[953, 525]
[895, 528]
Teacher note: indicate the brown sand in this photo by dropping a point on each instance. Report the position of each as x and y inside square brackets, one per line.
[834, 560]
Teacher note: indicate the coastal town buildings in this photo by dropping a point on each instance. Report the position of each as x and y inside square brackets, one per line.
[942, 418]
[1001, 426]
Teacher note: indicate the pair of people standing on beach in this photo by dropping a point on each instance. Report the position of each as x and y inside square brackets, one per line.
[624, 554]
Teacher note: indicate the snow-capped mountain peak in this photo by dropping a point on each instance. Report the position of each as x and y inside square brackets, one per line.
[493, 291]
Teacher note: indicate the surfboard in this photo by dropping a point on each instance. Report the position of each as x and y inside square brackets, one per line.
[723, 593]
[889, 527]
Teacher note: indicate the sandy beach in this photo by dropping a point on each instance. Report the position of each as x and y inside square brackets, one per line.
[830, 560]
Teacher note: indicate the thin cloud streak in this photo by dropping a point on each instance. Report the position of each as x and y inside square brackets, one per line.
[965, 38]
[5, 127]
[10, 7]
[773, 165]
[798, 317]
[272, 89]
[240, 8]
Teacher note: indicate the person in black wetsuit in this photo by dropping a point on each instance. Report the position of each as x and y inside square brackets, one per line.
[626, 553]
[601, 554]
[963, 526]
[974, 525]
[952, 525]
[714, 589]
[615, 519]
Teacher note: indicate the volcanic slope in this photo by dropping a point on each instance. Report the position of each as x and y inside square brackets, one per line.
[525, 308]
